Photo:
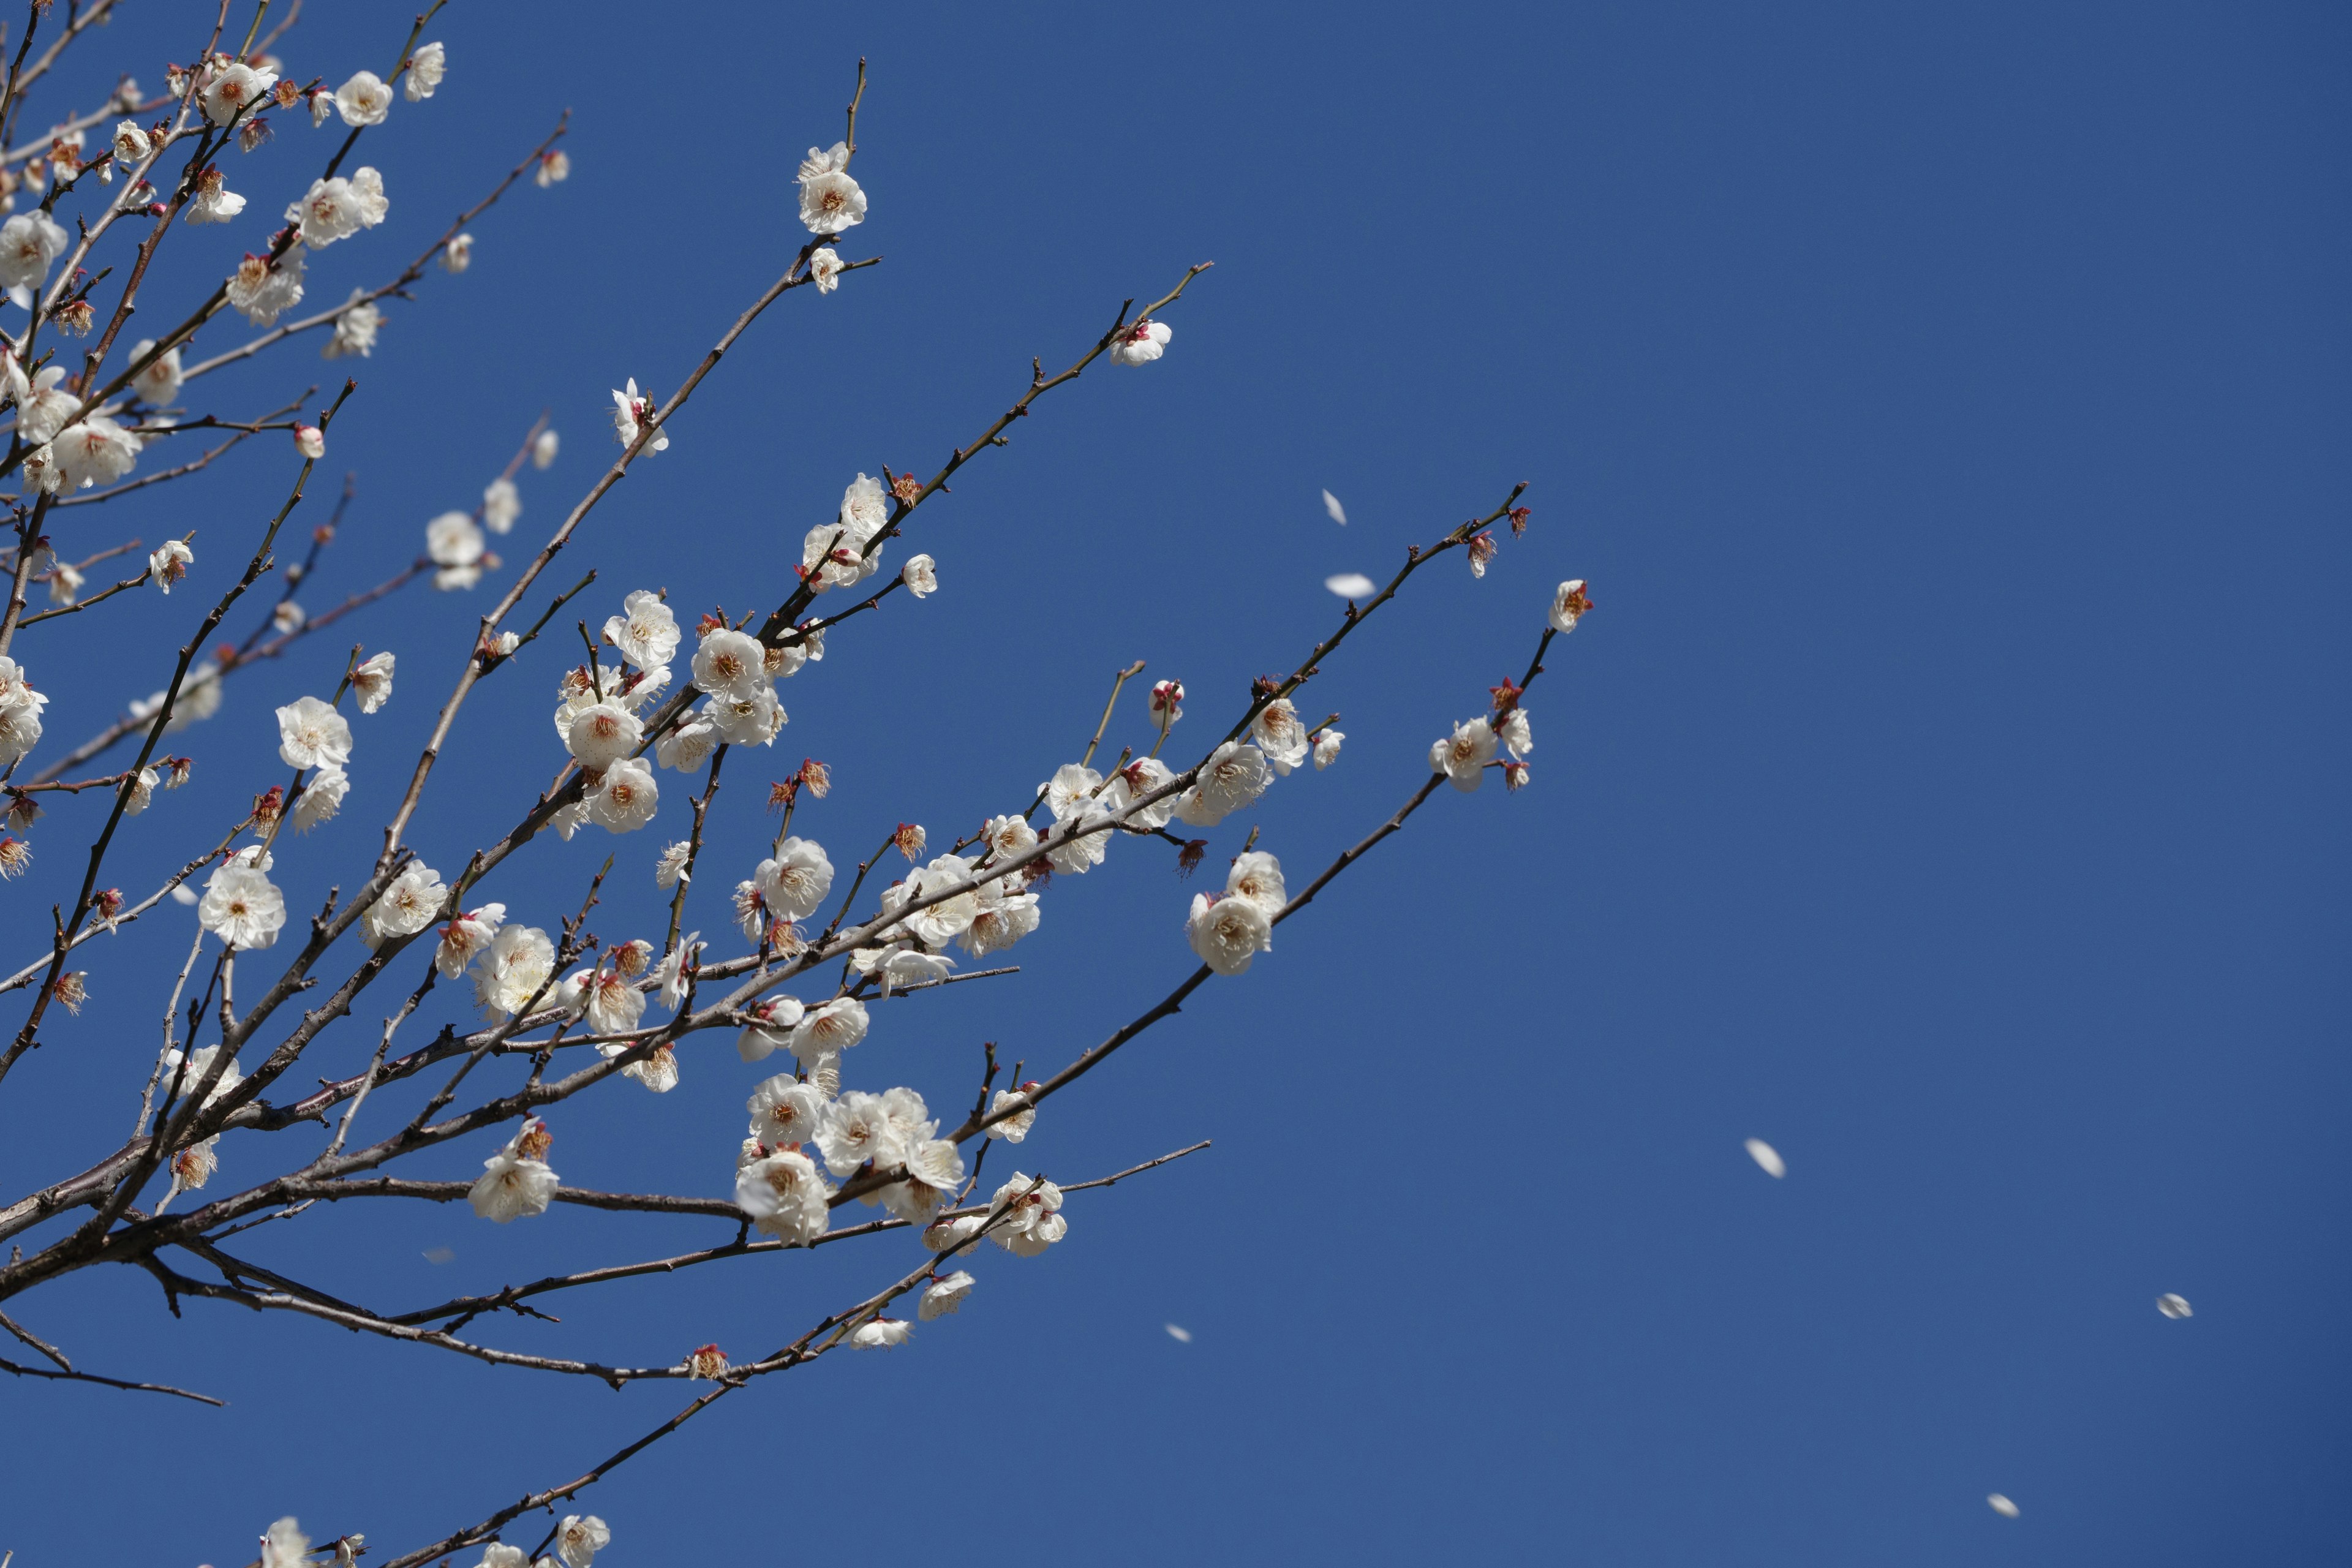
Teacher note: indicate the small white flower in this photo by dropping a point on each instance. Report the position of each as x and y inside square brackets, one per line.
[170, 563]
[355, 330]
[214, 201]
[921, 573]
[630, 413]
[784, 1196]
[338, 208]
[322, 104]
[29, 242]
[1257, 876]
[1235, 776]
[47, 409]
[407, 905]
[1003, 916]
[287, 616]
[426, 67]
[371, 681]
[131, 144]
[285, 1546]
[94, 451]
[1140, 343]
[952, 1236]
[555, 168]
[785, 1111]
[670, 869]
[1280, 735]
[828, 1030]
[143, 792]
[310, 735]
[1035, 1220]
[1013, 1129]
[797, 880]
[880, 1334]
[455, 545]
[362, 100]
[624, 802]
[945, 1296]
[771, 1025]
[687, 747]
[322, 798]
[457, 256]
[501, 504]
[1514, 734]
[647, 632]
[230, 90]
[520, 961]
[263, 288]
[242, 907]
[543, 450]
[41, 472]
[159, 381]
[824, 268]
[1327, 748]
[1228, 933]
[1569, 604]
[516, 1180]
[464, 936]
[1463, 756]
[601, 734]
[830, 200]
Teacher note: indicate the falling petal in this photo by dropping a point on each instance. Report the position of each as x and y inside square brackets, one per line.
[1184, 1336]
[1351, 585]
[2000, 1505]
[1768, 1157]
[182, 894]
[1331, 504]
[2173, 1305]
[438, 1255]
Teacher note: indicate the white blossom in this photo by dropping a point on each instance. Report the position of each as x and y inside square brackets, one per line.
[555, 168]
[828, 1030]
[365, 99]
[1142, 344]
[214, 201]
[784, 1196]
[953, 1236]
[310, 733]
[520, 961]
[670, 869]
[1568, 606]
[1235, 776]
[945, 1296]
[614, 1006]
[1463, 756]
[199, 1063]
[1004, 916]
[322, 104]
[1257, 876]
[287, 616]
[426, 65]
[1227, 933]
[143, 792]
[47, 409]
[40, 470]
[242, 907]
[96, 450]
[830, 200]
[466, 936]
[796, 881]
[646, 631]
[1068, 791]
[728, 663]
[1034, 1221]
[1514, 734]
[131, 144]
[454, 545]
[942, 922]
[1280, 735]
[751, 720]
[458, 254]
[371, 681]
[285, 1546]
[857, 1128]
[516, 1180]
[625, 801]
[824, 268]
[630, 412]
[921, 573]
[263, 288]
[543, 450]
[880, 1334]
[170, 563]
[771, 1025]
[785, 1111]
[310, 441]
[229, 88]
[1007, 836]
[1327, 748]
[407, 905]
[1132, 782]
[355, 330]
[687, 747]
[601, 734]
[1013, 1127]
[501, 505]
[322, 797]
[159, 381]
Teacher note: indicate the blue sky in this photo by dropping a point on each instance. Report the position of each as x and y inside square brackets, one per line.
[1948, 411]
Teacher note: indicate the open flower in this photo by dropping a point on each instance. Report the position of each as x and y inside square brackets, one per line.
[1235, 776]
[797, 880]
[1569, 604]
[310, 733]
[427, 66]
[1140, 343]
[1034, 1221]
[1228, 932]
[516, 1180]
[409, 905]
[371, 681]
[624, 802]
[784, 1196]
[365, 99]
[830, 200]
[242, 907]
[945, 1296]
[645, 631]
[630, 414]
[230, 90]
[518, 963]
[1463, 756]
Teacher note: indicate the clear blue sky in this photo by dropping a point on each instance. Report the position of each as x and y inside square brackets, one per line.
[1951, 414]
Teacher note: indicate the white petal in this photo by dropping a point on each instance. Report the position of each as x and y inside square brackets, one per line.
[1184, 1336]
[1351, 585]
[1767, 1157]
[1331, 504]
[2173, 1305]
[2000, 1505]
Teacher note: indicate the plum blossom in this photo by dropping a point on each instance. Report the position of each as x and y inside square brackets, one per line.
[830, 200]
[1228, 932]
[518, 963]
[41, 472]
[1280, 735]
[365, 99]
[671, 868]
[828, 1030]
[311, 734]
[95, 450]
[427, 66]
[407, 905]
[454, 545]
[1517, 733]
[784, 1196]
[1327, 748]
[1569, 604]
[1142, 344]
[1004, 916]
[501, 505]
[371, 681]
[310, 441]
[881, 1334]
[921, 573]
[355, 330]
[601, 734]
[46, 410]
[543, 450]
[1463, 756]
[29, 243]
[517, 1180]
[1256, 876]
[242, 907]
[466, 936]
[631, 412]
[1235, 776]
[730, 664]
[1034, 1219]
[941, 924]
[784, 1111]
[555, 168]
[945, 1296]
[624, 802]
[824, 268]
[230, 89]
[322, 798]
[214, 201]
[797, 880]
[457, 256]
[771, 1025]
[264, 287]
[1014, 1126]
[170, 563]
[285, 1546]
